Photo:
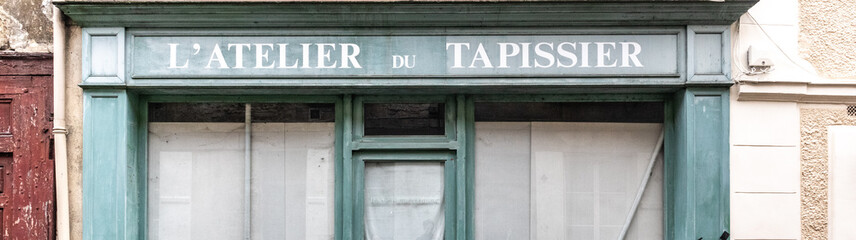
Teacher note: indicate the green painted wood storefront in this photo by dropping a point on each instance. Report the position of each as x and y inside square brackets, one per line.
[136, 54]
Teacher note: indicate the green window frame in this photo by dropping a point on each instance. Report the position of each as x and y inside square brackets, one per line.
[357, 146]
[449, 183]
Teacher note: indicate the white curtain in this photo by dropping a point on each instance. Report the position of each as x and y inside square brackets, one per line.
[196, 181]
[404, 200]
[578, 180]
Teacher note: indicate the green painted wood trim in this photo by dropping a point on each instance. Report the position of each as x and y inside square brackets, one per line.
[470, 128]
[89, 61]
[723, 47]
[347, 170]
[387, 14]
[696, 171]
[461, 168]
[245, 98]
[419, 86]
[413, 144]
[452, 88]
[111, 204]
[142, 143]
[339, 171]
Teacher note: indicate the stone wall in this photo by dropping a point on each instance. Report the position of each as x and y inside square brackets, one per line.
[26, 26]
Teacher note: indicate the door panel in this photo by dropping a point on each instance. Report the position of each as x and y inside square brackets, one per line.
[26, 164]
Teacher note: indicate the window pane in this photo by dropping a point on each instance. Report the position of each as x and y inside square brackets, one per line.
[196, 180]
[639, 112]
[197, 177]
[404, 119]
[404, 200]
[293, 112]
[502, 180]
[196, 112]
[293, 173]
[578, 179]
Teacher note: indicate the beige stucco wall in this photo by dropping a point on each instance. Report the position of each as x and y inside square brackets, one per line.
[74, 124]
[828, 37]
[25, 26]
[814, 182]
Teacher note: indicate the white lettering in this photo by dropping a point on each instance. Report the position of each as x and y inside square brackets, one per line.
[567, 54]
[544, 54]
[172, 49]
[239, 53]
[481, 55]
[504, 54]
[627, 56]
[282, 57]
[525, 55]
[603, 54]
[584, 57]
[350, 56]
[306, 55]
[216, 54]
[324, 55]
[262, 55]
[457, 53]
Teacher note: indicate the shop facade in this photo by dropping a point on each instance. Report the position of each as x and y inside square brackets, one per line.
[541, 120]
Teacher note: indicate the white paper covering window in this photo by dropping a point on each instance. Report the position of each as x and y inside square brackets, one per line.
[196, 181]
[550, 180]
[404, 200]
[842, 178]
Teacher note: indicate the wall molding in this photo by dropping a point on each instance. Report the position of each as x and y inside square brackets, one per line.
[801, 92]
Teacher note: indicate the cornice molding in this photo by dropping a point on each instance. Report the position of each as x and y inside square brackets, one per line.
[403, 14]
[800, 92]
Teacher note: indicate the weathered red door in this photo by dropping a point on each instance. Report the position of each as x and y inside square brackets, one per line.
[26, 161]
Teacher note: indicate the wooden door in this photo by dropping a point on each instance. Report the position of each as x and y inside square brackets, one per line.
[26, 160]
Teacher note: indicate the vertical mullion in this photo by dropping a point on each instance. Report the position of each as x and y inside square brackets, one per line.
[470, 165]
[461, 174]
[248, 130]
[449, 197]
[338, 223]
[348, 171]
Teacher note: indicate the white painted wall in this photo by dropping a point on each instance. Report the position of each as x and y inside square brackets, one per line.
[765, 135]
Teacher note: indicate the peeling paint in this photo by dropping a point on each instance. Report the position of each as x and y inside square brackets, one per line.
[28, 184]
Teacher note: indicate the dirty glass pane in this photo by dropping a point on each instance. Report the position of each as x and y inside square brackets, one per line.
[197, 165]
[196, 180]
[196, 112]
[293, 177]
[404, 119]
[293, 112]
[638, 112]
[577, 180]
[404, 200]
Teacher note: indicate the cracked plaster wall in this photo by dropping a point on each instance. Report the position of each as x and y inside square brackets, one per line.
[26, 26]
